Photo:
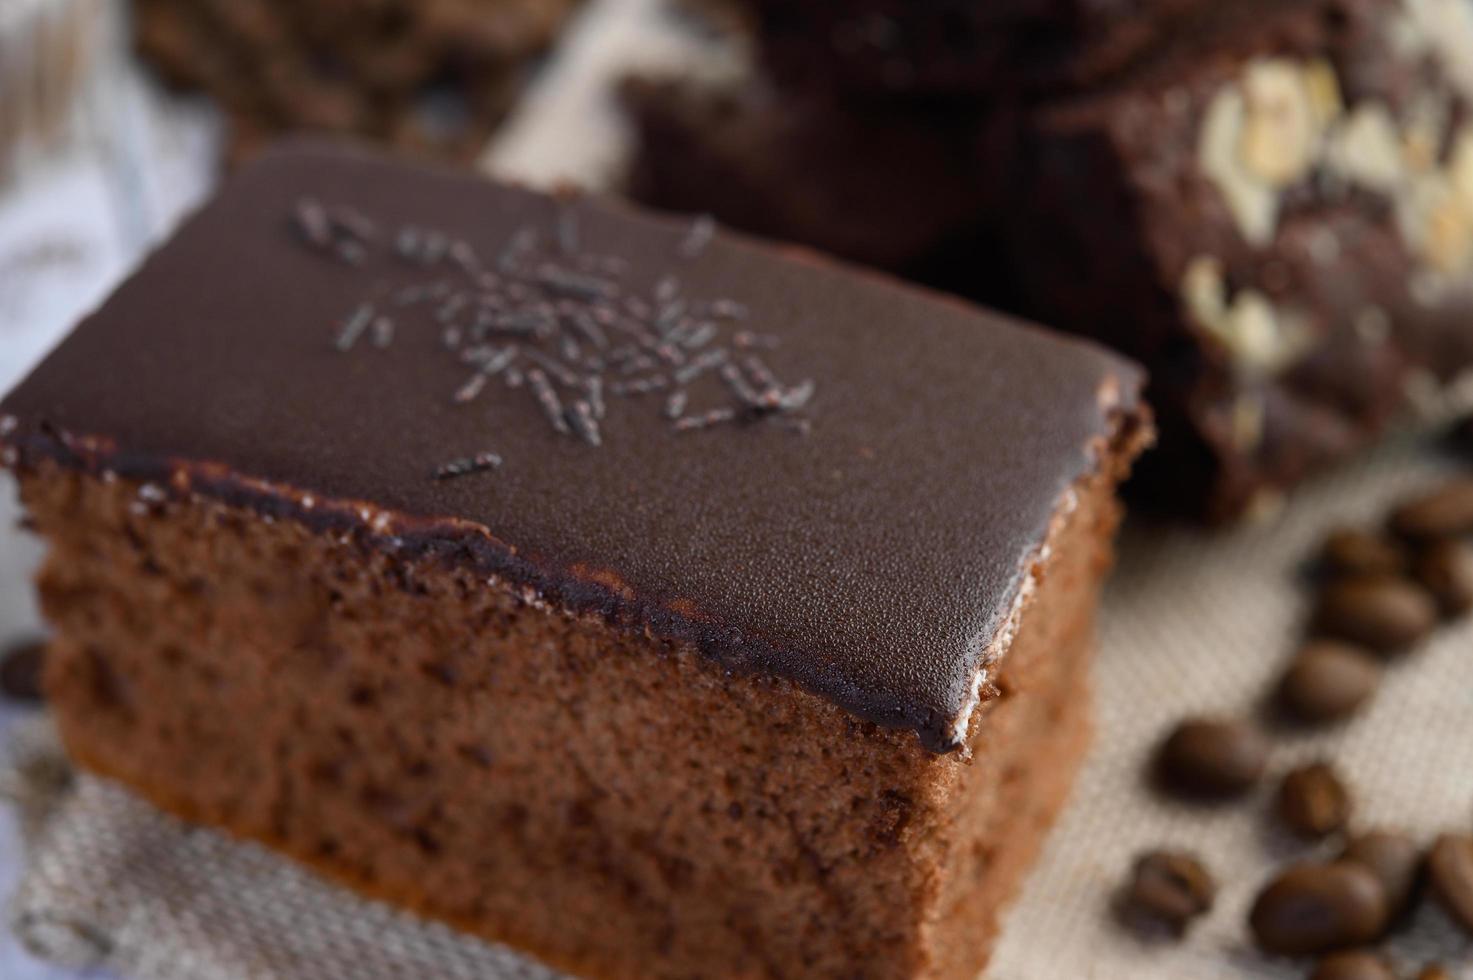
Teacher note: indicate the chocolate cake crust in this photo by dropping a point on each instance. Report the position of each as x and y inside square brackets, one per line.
[874, 561]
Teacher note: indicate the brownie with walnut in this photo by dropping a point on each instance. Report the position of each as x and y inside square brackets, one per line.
[1278, 221]
[432, 77]
[1271, 209]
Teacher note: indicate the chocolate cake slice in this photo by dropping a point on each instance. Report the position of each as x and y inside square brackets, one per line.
[653, 600]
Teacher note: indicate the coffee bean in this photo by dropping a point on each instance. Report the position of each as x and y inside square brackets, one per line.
[1316, 908]
[1395, 859]
[1354, 965]
[1212, 758]
[1170, 888]
[1328, 681]
[1382, 613]
[1434, 971]
[1450, 871]
[1446, 512]
[1313, 801]
[1446, 570]
[1351, 551]
[20, 671]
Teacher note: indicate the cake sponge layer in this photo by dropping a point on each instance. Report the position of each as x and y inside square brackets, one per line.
[616, 804]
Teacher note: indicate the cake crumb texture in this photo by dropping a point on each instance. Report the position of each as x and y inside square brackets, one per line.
[616, 805]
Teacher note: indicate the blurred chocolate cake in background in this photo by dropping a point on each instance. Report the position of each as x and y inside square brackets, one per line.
[433, 77]
[969, 49]
[47, 48]
[792, 167]
[1271, 205]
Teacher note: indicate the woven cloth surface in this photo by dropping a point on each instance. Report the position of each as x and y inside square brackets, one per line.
[1193, 622]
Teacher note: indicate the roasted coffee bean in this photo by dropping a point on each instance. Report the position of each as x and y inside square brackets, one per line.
[1382, 613]
[1354, 965]
[20, 671]
[1450, 872]
[1170, 888]
[1446, 512]
[1328, 681]
[1316, 908]
[1313, 801]
[1351, 551]
[1212, 758]
[1445, 569]
[1434, 971]
[1392, 857]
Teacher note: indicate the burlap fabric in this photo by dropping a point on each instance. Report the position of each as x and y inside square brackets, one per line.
[1192, 623]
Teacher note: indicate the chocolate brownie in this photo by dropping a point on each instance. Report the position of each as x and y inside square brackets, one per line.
[1273, 215]
[1279, 223]
[431, 77]
[655, 601]
[891, 189]
[973, 49]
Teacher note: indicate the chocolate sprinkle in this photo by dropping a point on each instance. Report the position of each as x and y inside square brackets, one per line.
[470, 464]
[728, 309]
[705, 362]
[356, 324]
[549, 307]
[354, 223]
[737, 382]
[589, 328]
[473, 386]
[406, 244]
[552, 406]
[352, 252]
[580, 417]
[717, 416]
[746, 339]
[383, 332]
[464, 256]
[596, 397]
[312, 222]
[702, 230]
[699, 337]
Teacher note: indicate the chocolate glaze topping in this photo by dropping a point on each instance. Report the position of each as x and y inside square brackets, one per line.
[871, 553]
